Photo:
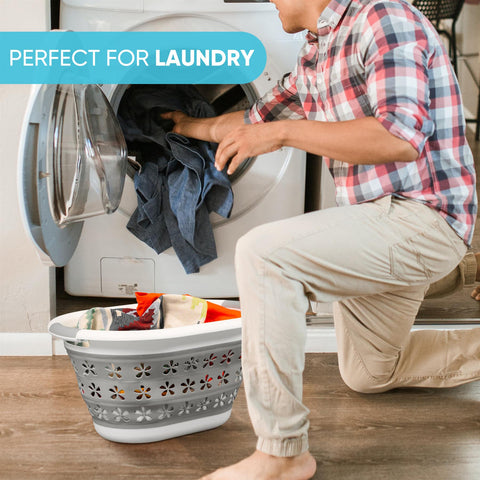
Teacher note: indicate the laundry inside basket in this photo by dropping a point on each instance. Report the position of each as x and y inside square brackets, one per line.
[154, 311]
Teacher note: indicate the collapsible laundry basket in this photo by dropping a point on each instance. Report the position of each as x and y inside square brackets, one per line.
[150, 385]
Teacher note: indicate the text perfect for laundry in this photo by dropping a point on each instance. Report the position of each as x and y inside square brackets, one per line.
[128, 58]
[131, 57]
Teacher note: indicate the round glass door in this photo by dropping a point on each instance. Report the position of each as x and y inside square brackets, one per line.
[86, 155]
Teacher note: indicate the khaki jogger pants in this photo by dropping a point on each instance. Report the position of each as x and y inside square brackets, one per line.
[375, 260]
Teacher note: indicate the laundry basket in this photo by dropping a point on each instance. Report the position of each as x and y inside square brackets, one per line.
[147, 386]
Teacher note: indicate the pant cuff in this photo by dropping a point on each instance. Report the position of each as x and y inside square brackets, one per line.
[288, 447]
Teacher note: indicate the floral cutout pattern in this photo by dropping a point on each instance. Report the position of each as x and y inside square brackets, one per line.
[167, 389]
[170, 367]
[186, 408]
[188, 386]
[203, 405]
[113, 371]
[117, 393]
[223, 377]
[144, 415]
[192, 364]
[220, 401]
[227, 357]
[143, 370]
[143, 392]
[206, 382]
[209, 361]
[94, 390]
[88, 368]
[165, 411]
[131, 383]
[120, 415]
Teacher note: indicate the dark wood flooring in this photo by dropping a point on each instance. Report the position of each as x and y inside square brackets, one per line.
[46, 432]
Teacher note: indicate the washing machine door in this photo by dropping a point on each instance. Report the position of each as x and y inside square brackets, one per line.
[72, 165]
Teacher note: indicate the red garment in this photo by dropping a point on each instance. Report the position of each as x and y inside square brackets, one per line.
[215, 313]
[139, 322]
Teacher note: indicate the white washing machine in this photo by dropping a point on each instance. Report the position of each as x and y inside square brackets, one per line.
[71, 170]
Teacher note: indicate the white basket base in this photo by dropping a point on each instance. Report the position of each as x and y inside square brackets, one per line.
[157, 434]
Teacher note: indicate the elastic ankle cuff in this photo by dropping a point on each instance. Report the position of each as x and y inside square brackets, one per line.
[288, 447]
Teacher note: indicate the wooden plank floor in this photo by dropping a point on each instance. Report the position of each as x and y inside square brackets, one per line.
[46, 431]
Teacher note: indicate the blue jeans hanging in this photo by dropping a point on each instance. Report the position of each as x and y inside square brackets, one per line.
[178, 185]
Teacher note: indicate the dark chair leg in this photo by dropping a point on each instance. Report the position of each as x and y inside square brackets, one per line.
[453, 45]
[477, 129]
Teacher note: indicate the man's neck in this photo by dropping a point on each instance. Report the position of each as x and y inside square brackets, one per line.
[317, 8]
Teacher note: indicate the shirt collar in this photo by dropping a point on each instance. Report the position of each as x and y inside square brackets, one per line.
[329, 18]
[333, 13]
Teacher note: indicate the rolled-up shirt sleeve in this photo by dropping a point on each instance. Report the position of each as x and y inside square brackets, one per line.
[282, 102]
[396, 54]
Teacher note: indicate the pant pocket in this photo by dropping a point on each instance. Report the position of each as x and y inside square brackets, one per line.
[406, 262]
[424, 257]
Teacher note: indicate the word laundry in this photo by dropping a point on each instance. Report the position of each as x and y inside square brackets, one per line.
[214, 58]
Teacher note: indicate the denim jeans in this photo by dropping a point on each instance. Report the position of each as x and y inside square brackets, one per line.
[178, 185]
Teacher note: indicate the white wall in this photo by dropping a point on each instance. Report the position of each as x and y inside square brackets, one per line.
[24, 282]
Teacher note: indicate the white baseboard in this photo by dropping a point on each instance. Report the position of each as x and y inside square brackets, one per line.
[320, 339]
[26, 344]
[57, 347]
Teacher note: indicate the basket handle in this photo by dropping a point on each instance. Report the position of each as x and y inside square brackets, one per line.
[61, 331]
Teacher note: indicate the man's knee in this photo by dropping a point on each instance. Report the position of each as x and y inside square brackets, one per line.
[357, 378]
[254, 244]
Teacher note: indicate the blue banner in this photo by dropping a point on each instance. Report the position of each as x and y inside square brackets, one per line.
[130, 57]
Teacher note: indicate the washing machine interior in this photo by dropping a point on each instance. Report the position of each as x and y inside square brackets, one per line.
[223, 98]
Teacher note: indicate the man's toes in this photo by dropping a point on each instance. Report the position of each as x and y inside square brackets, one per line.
[476, 293]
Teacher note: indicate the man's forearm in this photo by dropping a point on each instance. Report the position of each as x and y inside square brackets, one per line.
[361, 141]
[209, 129]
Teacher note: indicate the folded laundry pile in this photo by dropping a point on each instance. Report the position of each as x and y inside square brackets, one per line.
[178, 185]
[155, 311]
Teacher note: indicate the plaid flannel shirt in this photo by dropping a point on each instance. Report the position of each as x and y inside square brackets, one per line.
[382, 58]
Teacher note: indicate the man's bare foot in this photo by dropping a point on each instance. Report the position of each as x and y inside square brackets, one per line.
[260, 466]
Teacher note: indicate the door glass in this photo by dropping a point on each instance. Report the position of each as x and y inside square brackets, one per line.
[87, 154]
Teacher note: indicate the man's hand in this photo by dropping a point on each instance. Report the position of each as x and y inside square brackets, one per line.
[181, 120]
[247, 141]
[237, 141]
